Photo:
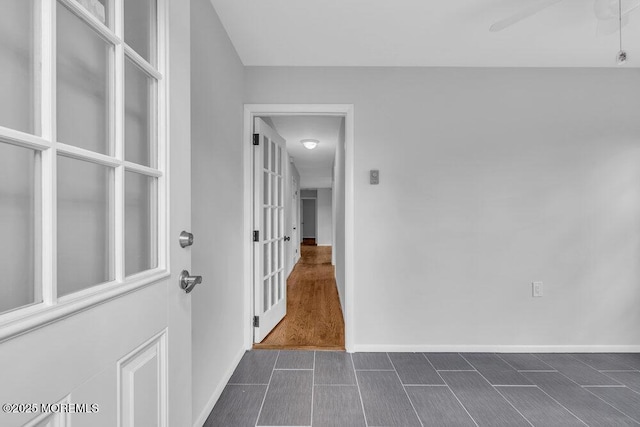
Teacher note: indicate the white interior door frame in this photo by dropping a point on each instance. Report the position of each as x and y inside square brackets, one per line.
[343, 110]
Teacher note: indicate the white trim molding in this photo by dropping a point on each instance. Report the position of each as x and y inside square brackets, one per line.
[477, 348]
[204, 414]
[343, 110]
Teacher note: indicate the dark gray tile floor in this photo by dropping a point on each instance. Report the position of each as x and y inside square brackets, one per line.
[299, 388]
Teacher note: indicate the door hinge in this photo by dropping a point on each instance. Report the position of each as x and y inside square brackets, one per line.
[256, 235]
[256, 321]
[256, 139]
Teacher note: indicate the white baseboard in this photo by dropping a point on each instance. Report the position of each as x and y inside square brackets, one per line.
[421, 348]
[199, 422]
[323, 244]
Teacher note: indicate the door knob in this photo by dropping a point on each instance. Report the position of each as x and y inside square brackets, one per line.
[287, 238]
[189, 282]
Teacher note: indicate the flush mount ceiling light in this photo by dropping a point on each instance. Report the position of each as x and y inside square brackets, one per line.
[310, 144]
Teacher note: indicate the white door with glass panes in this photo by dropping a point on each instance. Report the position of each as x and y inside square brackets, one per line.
[295, 210]
[94, 328]
[270, 291]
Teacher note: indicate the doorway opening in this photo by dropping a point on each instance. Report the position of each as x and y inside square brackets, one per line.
[300, 205]
[309, 226]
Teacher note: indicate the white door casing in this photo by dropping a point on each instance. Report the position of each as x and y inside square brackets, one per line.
[124, 347]
[270, 291]
[251, 111]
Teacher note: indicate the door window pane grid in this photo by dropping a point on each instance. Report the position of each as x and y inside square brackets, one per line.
[84, 74]
[140, 123]
[19, 213]
[140, 27]
[85, 227]
[18, 27]
[141, 224]
[35, 120]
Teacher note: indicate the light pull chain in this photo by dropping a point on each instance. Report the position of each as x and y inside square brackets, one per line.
[622, 55]
[620, 21]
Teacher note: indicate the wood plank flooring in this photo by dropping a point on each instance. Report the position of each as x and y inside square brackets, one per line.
[314, 318]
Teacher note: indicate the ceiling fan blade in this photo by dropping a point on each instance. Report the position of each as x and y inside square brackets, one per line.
[523, 14]
[631, 8]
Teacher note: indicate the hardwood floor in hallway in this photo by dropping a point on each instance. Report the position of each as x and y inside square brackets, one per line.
[314, 318]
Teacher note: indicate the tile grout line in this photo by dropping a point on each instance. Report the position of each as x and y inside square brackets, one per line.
[575, 382]
[292, 369]
[604, 386]
[374, 370]
[244, 384]
[498, 391]
[405, 390]
[313, 384]
[619, 410]
[582, 387]
[425, 385]
[623, 385]
[553, 399]
[561, 405]
[445, 383]
[355, 374]
[599, 370]
[592, 367]
[267, 389]
[519, 370]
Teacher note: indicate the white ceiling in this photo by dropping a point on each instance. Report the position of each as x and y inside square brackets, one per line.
[421, 33]
[314, 165]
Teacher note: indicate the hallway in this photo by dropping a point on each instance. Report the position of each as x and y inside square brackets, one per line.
[314, 318]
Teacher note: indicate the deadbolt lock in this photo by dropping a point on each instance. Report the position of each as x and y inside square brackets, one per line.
[186, 239]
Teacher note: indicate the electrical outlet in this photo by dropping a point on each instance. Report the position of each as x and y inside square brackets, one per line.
[374, 177]
[537, 288]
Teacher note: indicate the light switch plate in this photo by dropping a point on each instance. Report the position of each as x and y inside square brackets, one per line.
[374, 176]
[537, 289]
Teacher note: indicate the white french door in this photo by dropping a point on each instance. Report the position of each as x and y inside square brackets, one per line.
[295, 223]
[270, 291]
[94, 328]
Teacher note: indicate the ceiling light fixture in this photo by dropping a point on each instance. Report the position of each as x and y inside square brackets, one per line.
[310, 144]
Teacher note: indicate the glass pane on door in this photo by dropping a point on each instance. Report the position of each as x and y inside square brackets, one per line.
[140, 228]
[83, 84]
[140, 27]
[18, 216]
[266, 296]
[139, 128]
[85, 225]
[17, 40]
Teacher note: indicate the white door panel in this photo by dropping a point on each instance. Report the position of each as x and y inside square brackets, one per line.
[126, 353]
[270, 298]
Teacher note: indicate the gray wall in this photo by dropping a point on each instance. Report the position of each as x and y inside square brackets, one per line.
[217, 117]
[490, 179]
[325, 214]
